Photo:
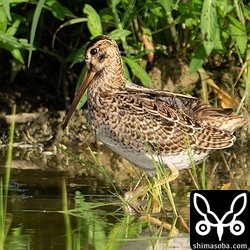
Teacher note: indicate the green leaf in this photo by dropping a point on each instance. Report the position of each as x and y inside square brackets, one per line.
[94, 20]
[238, 33]
[223, 8]
[16, 53]
[246, 10]
[247, 89]
[58, 10]
[139, 72]
[113, 3]
[6, 6]
[156, 9]
[167, 5]
[3, 20]
[13, 28]
[35, 20]
[209, 20]
[77, 56]
[119, 33]
[203, 51]
[16, 43]
[126, 71]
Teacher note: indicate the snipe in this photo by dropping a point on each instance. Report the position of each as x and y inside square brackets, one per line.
[140, 123]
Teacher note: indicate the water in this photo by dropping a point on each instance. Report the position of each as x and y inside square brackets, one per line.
[60, 200]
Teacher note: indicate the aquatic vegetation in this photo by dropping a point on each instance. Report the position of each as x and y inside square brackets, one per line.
[5, 221]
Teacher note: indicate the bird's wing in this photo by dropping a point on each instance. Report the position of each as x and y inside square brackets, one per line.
[167, 122]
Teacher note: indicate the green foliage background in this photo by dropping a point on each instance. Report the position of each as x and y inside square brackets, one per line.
[195, 30]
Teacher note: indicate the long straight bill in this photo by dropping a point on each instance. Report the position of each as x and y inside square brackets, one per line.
[84, 85]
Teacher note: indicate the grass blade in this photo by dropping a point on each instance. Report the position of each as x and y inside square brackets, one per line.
[6, 5]
[4, 194]
[36, 17]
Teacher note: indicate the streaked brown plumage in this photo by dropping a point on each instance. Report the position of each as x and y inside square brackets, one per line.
[139, 123]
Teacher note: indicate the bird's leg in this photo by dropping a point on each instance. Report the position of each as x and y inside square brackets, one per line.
[157, 204]
[174, 173]
[132, 197]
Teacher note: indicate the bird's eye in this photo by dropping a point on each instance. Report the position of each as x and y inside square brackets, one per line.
[93, 51]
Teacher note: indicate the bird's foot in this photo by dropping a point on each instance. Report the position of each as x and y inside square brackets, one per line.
[131, 198]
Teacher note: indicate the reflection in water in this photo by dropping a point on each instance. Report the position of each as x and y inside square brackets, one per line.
[45, 222]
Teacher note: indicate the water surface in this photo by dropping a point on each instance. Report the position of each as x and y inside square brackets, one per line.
[59, 198]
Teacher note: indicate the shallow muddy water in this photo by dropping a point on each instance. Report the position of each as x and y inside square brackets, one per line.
[59, 199]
